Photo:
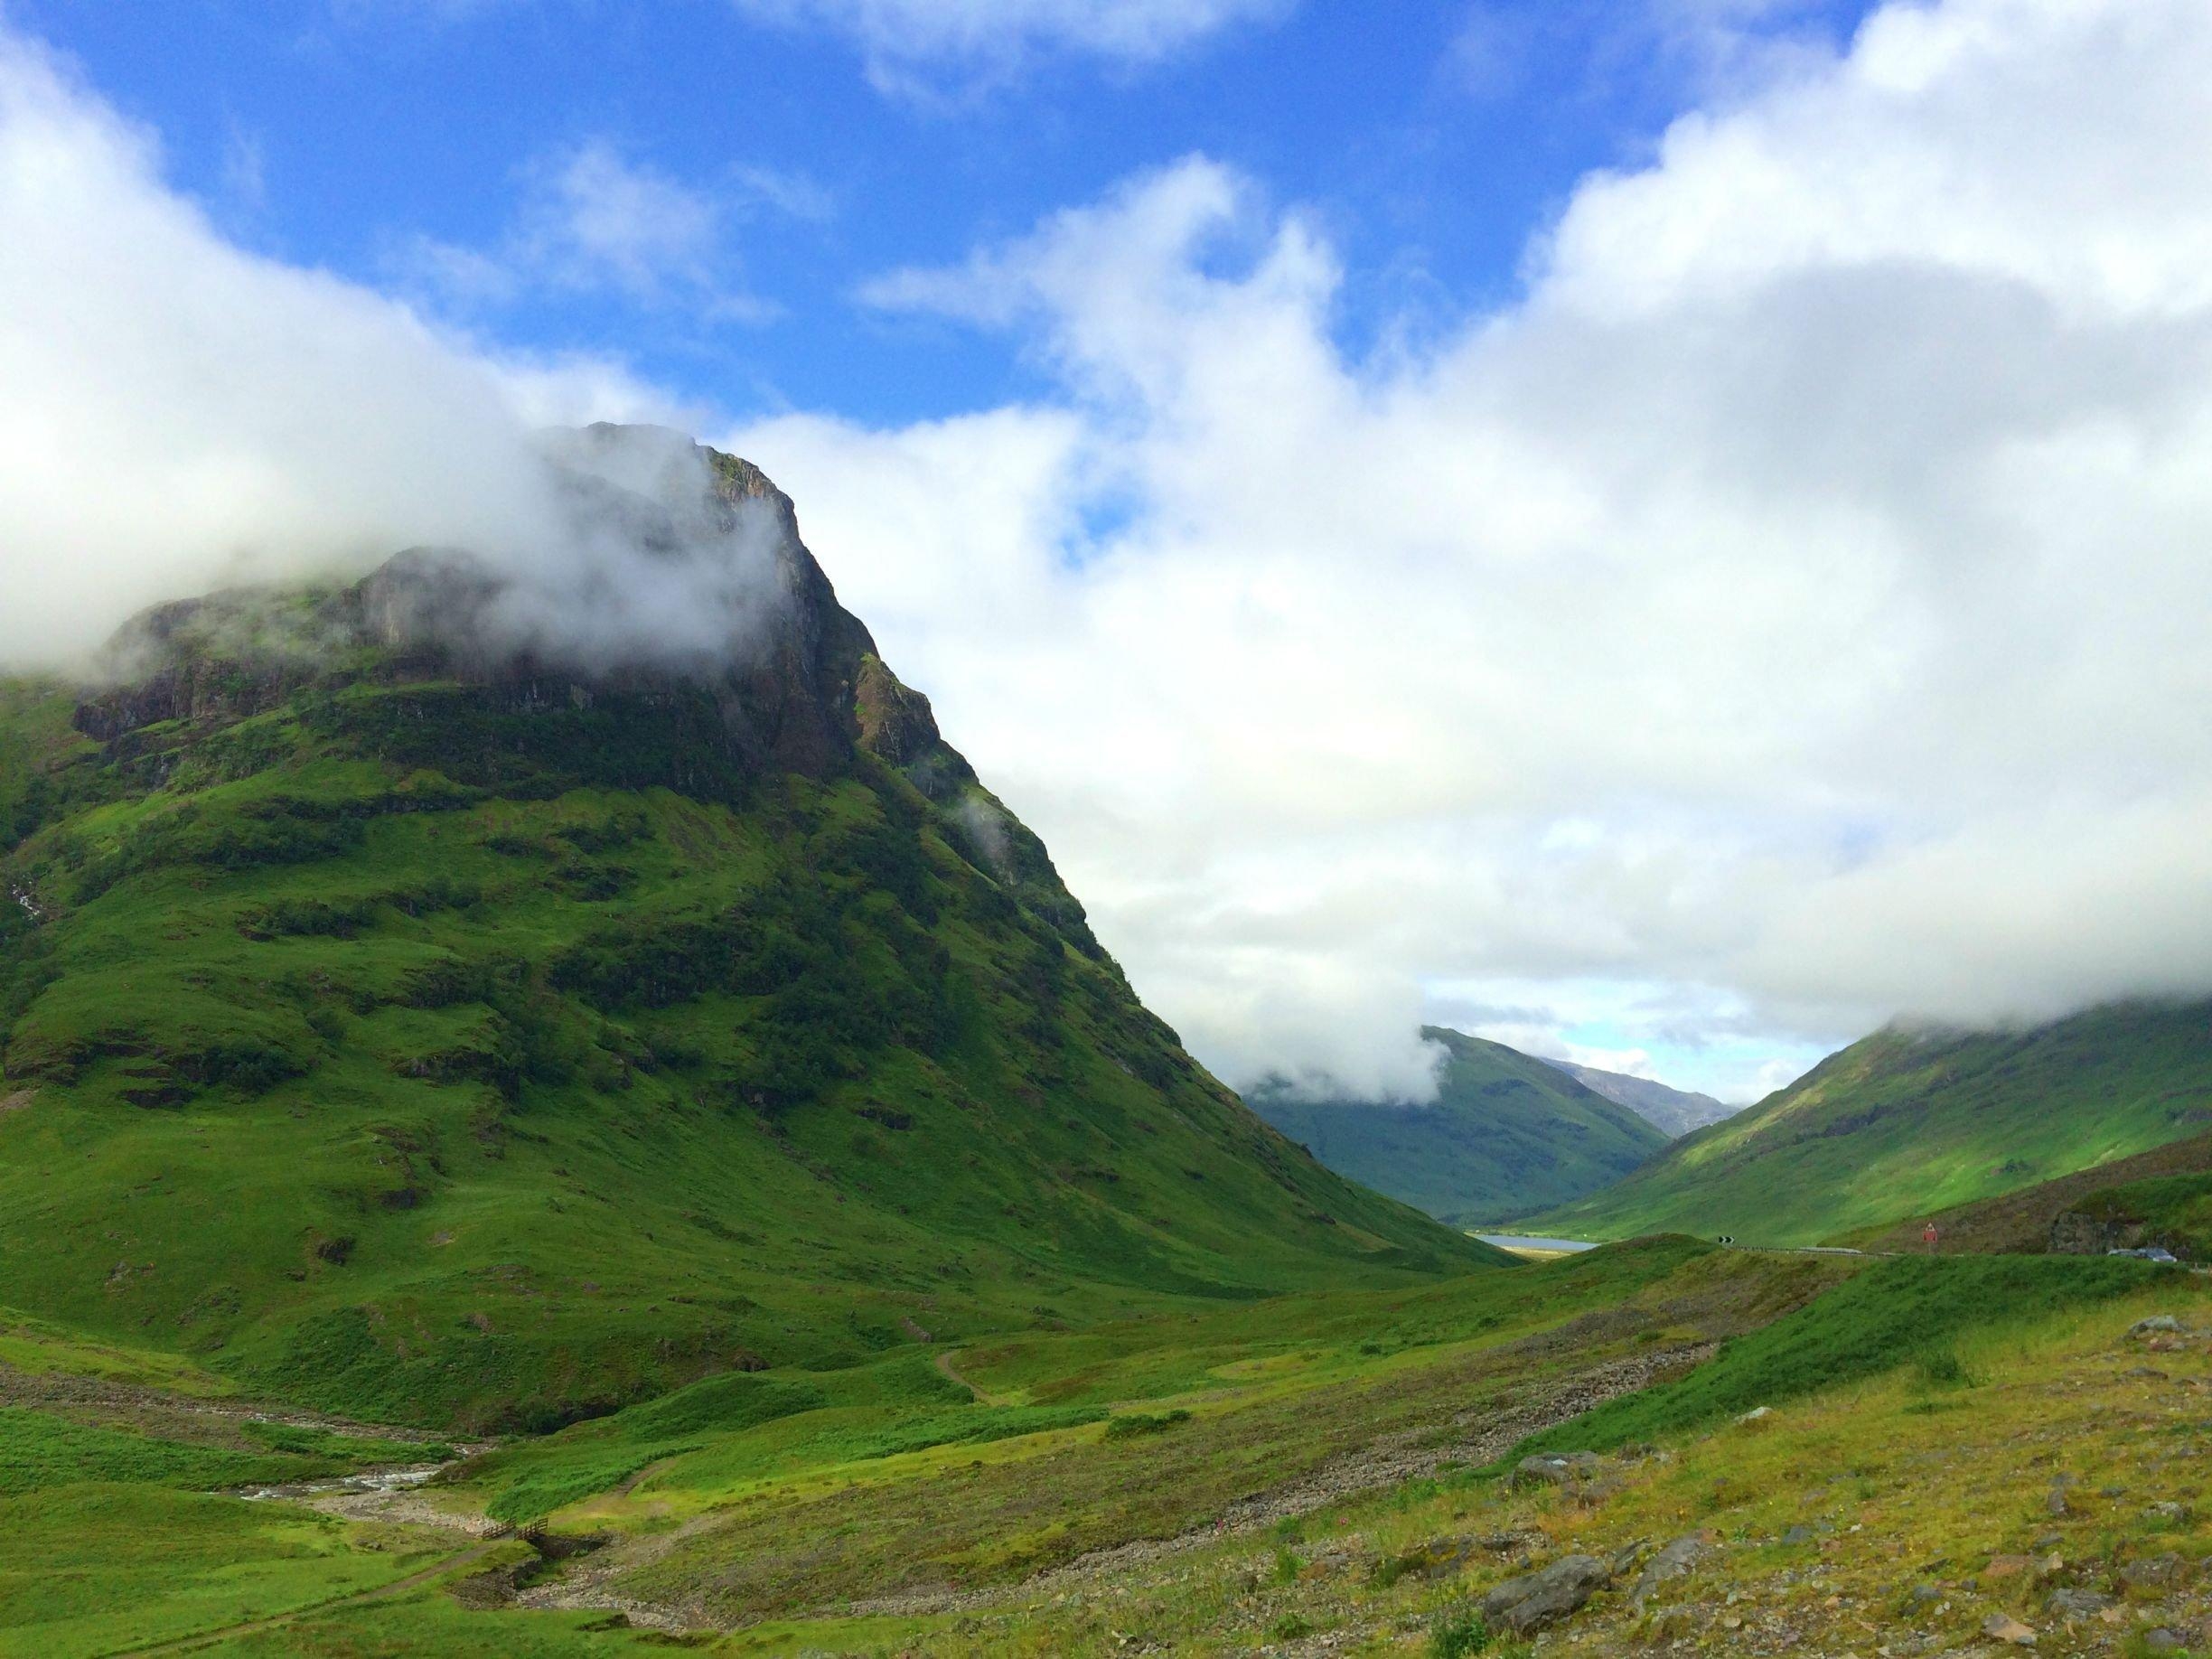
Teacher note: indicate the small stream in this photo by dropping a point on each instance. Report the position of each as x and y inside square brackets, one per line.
[375, 1482]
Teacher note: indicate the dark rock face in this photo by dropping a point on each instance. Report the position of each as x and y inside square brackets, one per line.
[2073, 1233]
[1567, 1469]
[1527, 1604]
[2076, 1603]
[800, 693]
[1677, 1560]
[895, 724]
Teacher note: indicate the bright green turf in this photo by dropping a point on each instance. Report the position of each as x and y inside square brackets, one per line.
[1506, 1134]
[95, 1569]
[1902, 1124]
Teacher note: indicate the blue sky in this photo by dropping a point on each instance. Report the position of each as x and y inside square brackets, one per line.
[1669, 530]
[1432, 140]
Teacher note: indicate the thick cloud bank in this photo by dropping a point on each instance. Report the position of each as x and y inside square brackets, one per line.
[1794, 609]
[177, 413]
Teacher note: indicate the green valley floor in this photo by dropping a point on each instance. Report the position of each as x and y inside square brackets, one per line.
[1729, 1451]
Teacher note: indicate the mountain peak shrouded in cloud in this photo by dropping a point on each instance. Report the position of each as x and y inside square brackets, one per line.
[179, 413]
[1783, 611]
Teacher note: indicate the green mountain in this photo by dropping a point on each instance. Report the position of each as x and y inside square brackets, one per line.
[1671, 1112]
[402, 1018]
[1506, 1134]
[1908, 1121]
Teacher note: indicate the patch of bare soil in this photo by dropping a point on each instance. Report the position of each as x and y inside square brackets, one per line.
[400, 1505]
[952, 1375]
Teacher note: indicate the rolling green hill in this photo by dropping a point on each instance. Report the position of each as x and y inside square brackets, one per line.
[415, 1025]
[1907, 1122]
[1506, 1134]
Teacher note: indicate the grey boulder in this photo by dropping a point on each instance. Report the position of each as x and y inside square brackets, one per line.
[1528, 1603]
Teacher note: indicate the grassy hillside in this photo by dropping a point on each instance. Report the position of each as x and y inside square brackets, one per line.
[1506, 1134]
[1910, 1122]
[491, 1044]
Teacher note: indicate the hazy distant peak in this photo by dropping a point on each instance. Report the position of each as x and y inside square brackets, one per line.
[1674, 1112]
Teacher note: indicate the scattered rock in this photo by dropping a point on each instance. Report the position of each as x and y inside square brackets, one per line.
[2157, 1573]
[1626, 1558]
[1799, 1534]
[2006, 1567]
[1528, 1603]
[1757, 1414]
[2163, 1641]
[1557, 1470]
[2076, 1603]
[1675, 1561]
[1923, 1595]
[2155, 1323]
[2004, 1627]
[2055, 1504]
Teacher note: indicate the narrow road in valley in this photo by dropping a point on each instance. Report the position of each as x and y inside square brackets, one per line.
[644, 1474]
[944, 1364]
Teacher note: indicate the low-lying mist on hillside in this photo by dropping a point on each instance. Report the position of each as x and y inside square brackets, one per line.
[181, 414]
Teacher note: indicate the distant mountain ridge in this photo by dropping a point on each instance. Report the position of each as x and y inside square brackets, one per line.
[1912, 1121]
[1506, 1134]
[1674, 1112]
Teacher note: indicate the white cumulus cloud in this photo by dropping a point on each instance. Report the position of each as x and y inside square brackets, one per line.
[179, 414]
[1796, 598]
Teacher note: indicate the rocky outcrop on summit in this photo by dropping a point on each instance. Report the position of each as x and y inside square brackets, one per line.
[800, 688]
